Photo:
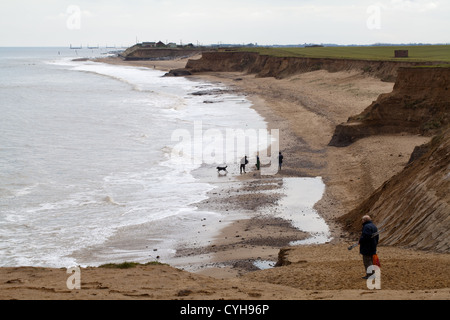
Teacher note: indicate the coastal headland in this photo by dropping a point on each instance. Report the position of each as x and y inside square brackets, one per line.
[375, 131]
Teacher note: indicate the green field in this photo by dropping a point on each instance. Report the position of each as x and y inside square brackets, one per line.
[416, 53]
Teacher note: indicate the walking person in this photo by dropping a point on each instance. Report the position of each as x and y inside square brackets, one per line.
[258, 163]
[244, 161]
[280, 160]
[368, 242]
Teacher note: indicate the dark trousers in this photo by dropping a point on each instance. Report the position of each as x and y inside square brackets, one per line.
[367, 260]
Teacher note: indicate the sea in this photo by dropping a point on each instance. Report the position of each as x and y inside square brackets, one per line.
[91, 170]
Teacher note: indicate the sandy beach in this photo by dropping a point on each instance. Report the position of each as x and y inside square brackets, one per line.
[305, 108]
[323, 272]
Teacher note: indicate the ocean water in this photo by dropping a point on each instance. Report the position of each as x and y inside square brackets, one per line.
[86, 151]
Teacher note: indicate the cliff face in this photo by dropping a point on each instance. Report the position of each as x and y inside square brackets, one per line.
[280, 67]
[138, 52]
[222, 62]
[418, 104]
[414, 205]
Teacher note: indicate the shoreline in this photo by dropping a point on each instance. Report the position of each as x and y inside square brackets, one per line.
[258, 235]
[239, 239]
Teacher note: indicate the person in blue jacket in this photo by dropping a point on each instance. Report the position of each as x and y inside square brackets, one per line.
[368, 242]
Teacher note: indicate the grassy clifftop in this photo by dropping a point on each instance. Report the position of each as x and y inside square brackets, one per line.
[416, 53]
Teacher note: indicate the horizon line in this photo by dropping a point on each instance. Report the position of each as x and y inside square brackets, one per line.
[378, 44]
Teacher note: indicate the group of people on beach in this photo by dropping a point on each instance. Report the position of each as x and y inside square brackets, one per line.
[244, 162]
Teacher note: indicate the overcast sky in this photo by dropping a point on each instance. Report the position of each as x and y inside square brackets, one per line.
[120, 22]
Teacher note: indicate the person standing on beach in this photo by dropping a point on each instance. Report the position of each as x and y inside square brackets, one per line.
[280, 160]
[244, 161]
[368, 242]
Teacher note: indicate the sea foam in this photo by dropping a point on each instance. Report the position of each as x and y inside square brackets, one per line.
[92, 161]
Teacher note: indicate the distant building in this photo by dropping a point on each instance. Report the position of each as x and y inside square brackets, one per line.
[401, 53]
[158, 44]
[149, 44]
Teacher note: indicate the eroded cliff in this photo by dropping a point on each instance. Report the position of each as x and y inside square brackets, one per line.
[418, 104]
[413, 206]
[138, 52]
[280, 67]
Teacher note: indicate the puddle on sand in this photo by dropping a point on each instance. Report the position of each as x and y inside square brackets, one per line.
[300, 196]
[297, 206]
[264, 264]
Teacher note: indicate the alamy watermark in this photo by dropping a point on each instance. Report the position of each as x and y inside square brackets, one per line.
[73, 21]
[214, 146]
[374, 280]
[381, 8]
[74, 280]
[373, 22]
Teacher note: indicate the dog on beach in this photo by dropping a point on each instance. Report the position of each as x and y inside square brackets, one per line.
[222, 169]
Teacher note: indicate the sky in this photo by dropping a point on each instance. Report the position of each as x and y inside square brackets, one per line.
[265, 22]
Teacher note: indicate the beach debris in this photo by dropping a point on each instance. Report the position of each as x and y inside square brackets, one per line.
[184, 293]
[178, 73]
